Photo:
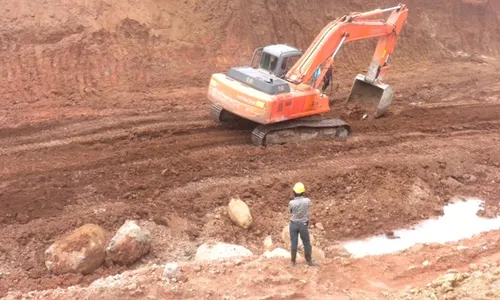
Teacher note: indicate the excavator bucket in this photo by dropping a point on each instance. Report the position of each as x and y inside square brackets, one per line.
[371, 100]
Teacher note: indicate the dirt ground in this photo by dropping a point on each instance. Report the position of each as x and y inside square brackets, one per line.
[104, 118]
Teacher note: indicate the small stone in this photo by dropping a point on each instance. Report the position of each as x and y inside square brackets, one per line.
[452, 182]
[132, 286]
[473, 267]
[303, 281]
[446, 287]
[470, 178]
[461, 248]
[425, 263]
[345, 261]
[319, 225]
[412, 268]
[450, 271]
[182, 278]
[268, 242]
[197, 268]
[337, 250]
[171, 270]
[317, 254]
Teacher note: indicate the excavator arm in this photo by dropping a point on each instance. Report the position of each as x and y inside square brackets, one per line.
[356, 26]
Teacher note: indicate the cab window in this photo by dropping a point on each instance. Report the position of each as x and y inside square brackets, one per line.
[268, 62]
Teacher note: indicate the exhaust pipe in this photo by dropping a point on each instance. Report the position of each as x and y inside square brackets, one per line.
[371, 99]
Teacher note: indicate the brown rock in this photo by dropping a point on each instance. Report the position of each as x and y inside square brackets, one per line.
[451, 182]
[82, 251]
[319, 225]
[239, 213]
[337, 250]
[130, 243]
[318, 254]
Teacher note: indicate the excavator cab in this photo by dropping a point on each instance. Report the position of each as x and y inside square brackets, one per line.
[275, 59]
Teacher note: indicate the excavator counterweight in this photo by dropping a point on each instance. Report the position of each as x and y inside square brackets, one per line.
[280, 89]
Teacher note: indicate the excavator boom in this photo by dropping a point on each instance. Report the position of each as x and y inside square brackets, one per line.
[322, 51]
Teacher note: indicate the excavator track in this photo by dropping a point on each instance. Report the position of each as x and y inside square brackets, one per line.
[220, 115]
[299, 130]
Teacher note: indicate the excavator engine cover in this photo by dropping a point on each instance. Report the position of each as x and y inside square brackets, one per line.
[371, 99]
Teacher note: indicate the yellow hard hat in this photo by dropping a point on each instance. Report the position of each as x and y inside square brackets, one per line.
[299, 188]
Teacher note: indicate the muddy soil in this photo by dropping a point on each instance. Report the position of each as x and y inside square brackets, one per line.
[105, 119]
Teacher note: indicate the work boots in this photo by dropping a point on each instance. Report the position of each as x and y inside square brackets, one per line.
[310, 262]
[294, 257]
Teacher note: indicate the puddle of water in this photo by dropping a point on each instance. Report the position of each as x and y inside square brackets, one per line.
[458, 222]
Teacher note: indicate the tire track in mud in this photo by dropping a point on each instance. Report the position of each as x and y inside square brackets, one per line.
[113, 129]
[383, 156]
[113, 135]
[203, 140]
[41, 132]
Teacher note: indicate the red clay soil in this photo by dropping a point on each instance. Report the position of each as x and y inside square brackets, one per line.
[104, 119]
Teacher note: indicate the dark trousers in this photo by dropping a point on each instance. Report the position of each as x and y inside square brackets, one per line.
[326, 83]
[302, 229]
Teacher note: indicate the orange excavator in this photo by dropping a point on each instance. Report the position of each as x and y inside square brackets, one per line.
[280, 89]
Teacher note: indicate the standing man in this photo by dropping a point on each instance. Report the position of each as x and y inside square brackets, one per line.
[327, 79]
[299, 223]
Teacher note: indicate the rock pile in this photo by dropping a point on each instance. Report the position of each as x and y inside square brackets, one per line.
[84, 250]
[479, 283]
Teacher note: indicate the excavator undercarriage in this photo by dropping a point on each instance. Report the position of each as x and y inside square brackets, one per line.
[288, 131]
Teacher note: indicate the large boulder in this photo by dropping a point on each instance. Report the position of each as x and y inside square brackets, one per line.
[82, 251]
[285, 236]
[240, 213]
[130, 243]
[220, 251]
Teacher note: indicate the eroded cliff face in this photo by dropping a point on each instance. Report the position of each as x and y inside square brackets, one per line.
[70, 48]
